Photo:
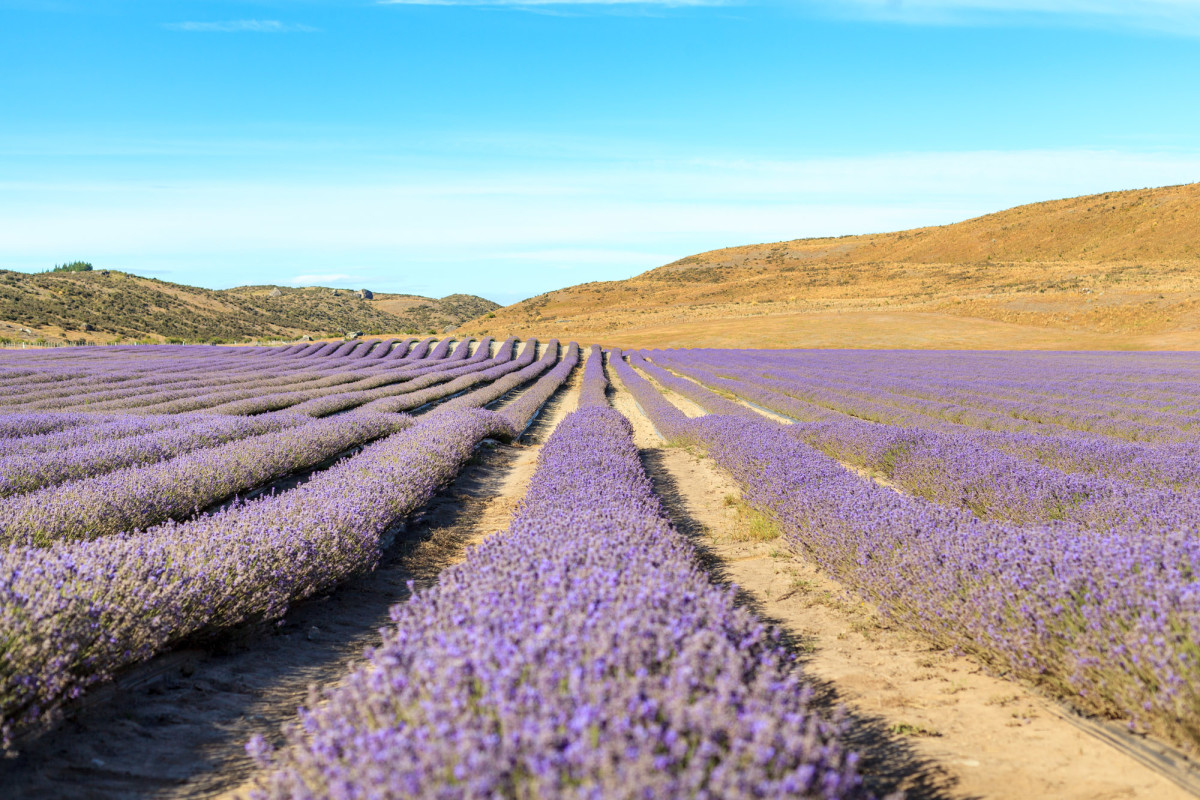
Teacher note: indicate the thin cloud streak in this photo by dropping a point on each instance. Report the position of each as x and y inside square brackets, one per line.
[241, 26]
[1173, 16]
[549, 3]
[1178, 17]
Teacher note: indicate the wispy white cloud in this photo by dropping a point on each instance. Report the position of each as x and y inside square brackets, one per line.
[548, 3]
[1049, 6]
[1181, 17]
[1178, 16]
[241, 26]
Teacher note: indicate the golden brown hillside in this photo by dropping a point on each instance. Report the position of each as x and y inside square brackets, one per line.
[111, 306]
[1118, 270]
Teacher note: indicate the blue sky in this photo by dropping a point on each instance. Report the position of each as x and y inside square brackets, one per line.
[506, 148]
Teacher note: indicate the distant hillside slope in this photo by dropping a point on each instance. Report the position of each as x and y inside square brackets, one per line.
[1116, 270]
[107, 305]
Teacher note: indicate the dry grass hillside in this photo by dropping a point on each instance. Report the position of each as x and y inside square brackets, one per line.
[107, 305]
[1118, 270]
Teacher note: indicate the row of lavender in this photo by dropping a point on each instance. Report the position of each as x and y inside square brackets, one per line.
[72, 612]
[1092, 397]
[58, 375]
[218, 381]
[179, 368]
[1094, 482]
[154, 449]
[979, 470]
[1032, 597]
[627, 673]
[159, 377]
[1082, 580]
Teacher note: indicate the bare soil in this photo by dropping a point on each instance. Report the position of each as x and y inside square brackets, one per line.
[176, 727]
[927, 721]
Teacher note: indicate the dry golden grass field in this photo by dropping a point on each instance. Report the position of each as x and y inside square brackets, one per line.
[1112, 271]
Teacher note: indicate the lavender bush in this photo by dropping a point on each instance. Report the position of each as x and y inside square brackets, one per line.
[626, 673]
[522, 411]
[503, 384]
[415, 400]
[24, 472]
[72, 613]
[137, 497]
[984, 471]
[1106, 617]
[593, 390]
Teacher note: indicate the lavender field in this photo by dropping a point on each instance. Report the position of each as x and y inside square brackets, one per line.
[1035, 512]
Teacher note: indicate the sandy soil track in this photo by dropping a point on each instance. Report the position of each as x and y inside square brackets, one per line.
[176, 727]
[927, 721]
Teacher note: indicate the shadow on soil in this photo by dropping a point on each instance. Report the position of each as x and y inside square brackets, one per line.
[889, 764]
[176, 726]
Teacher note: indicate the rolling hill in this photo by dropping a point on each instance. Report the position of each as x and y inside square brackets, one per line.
[1119, 270]
[107, 306]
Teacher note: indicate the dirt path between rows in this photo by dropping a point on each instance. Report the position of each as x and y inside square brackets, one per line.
[692, 409]
[181, 733]
[926, 721]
